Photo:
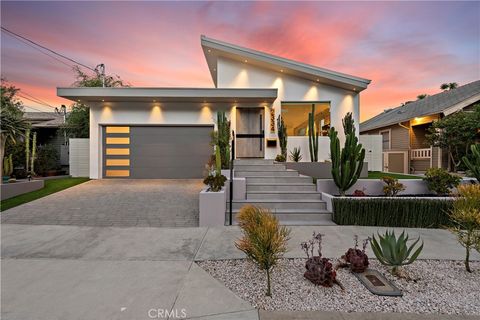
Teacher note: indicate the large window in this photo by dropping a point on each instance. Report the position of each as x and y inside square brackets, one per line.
[295, 116]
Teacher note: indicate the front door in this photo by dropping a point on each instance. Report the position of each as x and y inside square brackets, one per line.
[250, 133]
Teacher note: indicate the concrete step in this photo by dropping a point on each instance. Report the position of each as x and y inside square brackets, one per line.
[252, 161]
[281, 187]
[280, 180]
[287, 195]
[294, 217]
[281, 204]
[285, 173]
[260, 167]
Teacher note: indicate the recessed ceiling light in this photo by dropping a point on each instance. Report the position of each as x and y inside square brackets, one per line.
[318, 80]
[281, 70]
[245, 60]
[354, 89]
[78, 100]
[103, 100]
[209, 50]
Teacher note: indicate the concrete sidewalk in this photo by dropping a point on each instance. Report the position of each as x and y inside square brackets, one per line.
[67, 272]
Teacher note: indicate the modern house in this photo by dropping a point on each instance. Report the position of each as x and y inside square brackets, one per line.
[165, 132]
[403, 129]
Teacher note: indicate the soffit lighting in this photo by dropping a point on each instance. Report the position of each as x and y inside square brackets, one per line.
[245, 60]
[318, 80]
[281, 70]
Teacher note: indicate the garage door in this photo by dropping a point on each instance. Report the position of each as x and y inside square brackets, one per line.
[156, 152]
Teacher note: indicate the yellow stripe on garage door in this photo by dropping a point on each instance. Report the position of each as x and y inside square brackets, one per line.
[117, 162]
[111, 140]
[117, 130]
[117, 173]
[117, 151]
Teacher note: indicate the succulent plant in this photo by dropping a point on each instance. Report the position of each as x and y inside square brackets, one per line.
[394, 252]
[355, 258]
[320, 271]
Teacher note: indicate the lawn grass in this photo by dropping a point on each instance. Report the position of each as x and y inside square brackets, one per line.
[379, 175]
[51, 186]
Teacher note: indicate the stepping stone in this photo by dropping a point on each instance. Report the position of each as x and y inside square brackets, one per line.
[377, 283]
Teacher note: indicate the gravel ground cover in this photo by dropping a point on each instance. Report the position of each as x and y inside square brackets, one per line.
[438, 286]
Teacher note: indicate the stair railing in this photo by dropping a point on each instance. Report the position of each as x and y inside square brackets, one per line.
[231, 178]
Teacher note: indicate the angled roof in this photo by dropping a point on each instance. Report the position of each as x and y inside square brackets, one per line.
[44, 119]
[213, 49]
[445, 102]
[167, 94]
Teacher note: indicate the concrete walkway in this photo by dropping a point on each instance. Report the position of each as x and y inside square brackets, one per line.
[67, 272]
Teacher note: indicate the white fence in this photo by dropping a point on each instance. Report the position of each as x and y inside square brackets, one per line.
[425, 153]
[79, 157]
[373, 151]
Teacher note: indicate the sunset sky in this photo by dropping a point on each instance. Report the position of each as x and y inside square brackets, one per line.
[405, 48]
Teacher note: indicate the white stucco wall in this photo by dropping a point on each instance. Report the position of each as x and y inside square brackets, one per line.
[234, 74]
[144, 113]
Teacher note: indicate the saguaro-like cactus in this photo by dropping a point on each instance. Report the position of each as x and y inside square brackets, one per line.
[282, 136]
[312, 136]
[34, 153]
[474, 164]
[27, 150]
[223, 138]
[347, 164]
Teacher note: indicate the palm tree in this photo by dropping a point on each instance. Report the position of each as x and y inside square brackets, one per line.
[13, 124]
[449, 86]
[422, 96]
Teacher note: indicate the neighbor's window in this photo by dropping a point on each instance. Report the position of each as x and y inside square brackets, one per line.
[295, 116]
[385, 139]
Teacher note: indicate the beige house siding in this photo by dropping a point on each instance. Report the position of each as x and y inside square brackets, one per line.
[399, 136]
[420, 164]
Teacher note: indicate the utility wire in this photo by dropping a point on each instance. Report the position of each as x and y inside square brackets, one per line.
[41, 101]
[33, 100]
[40, 50]
[43, 47]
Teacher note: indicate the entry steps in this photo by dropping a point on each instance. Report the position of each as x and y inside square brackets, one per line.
[291, 197]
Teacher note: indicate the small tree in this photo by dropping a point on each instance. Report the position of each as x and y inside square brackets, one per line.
[455, 133]
[12, 123]
[347, 164]
[264, 241]
[465, 215]
[77, 122]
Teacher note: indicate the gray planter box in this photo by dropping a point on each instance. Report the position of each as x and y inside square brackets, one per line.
[10, 190]
[212, 208]
[319, 170]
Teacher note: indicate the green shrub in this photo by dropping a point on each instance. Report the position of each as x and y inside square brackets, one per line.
[46, 159]
[392, 186]
[264, 241]
[440, 181]
[473, 164]
[394, 212]
[280, 158]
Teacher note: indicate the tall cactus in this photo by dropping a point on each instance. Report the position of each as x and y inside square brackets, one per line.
[312, 136]
[218, 161]
[474, 164]
[223, 138]
[27, 150]
[34, 153]
[282, 136]
[347, 164]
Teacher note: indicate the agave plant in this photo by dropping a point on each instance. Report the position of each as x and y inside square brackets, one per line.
[394, 252]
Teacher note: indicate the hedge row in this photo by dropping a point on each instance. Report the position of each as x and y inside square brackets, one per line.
[394, 212]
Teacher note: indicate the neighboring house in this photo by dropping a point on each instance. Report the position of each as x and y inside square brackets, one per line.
[48, 127]
[165, 132]
[403, 129]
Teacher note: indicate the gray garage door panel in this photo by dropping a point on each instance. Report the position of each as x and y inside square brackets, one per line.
[169, 152]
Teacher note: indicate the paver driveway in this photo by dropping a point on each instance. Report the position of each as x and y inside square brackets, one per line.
[121, 203]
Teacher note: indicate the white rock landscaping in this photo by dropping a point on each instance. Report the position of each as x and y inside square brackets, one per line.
[439, 287]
